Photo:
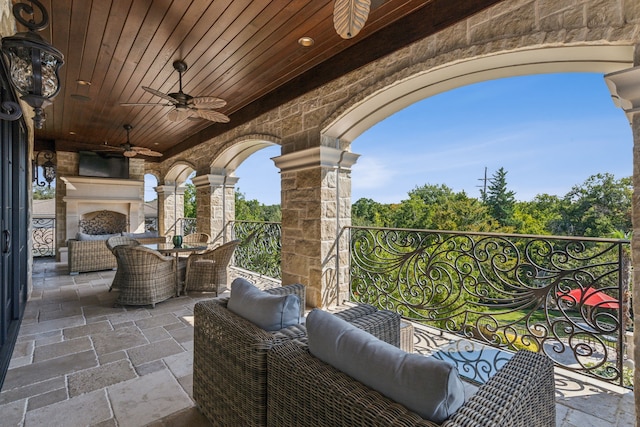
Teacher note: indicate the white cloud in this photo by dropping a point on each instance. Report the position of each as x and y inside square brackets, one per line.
[370, 173]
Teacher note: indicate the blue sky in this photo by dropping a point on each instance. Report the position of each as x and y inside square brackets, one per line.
[550, 132]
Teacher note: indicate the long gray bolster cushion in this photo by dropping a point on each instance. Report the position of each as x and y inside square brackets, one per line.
[269, 312]
[429, 387]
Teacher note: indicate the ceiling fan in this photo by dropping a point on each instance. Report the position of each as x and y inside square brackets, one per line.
[184, 104]
[131, 150]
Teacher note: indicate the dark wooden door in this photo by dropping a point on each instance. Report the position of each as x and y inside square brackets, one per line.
[13, 230]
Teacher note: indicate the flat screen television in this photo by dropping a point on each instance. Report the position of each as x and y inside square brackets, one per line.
[103, 165]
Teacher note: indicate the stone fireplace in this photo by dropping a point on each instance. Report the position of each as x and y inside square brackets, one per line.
[86, 195]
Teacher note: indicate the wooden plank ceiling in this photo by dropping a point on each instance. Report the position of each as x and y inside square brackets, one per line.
[243, 51]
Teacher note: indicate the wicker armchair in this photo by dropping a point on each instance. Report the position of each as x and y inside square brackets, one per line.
[148, 277]
[207, 271]
[304, 391]
[194, 238]
[230, 357]
[111, 243]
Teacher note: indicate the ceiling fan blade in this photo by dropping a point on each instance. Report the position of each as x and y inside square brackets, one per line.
[160, 94]
[179, 114]
[151, 153]
[129, 153]
[145, 104]
[214, 116]
[208, 102]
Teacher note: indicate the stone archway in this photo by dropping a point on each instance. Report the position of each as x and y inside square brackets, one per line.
[215, 192]
[171, 196]
[377, 103]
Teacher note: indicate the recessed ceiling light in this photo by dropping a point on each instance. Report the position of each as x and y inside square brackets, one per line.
[83, 82]
[306, 41]
[72, 133]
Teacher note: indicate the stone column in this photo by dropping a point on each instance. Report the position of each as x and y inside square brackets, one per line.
[316, 204]
[625, 92]
[215, 204]
[66, 165]
[170, 208]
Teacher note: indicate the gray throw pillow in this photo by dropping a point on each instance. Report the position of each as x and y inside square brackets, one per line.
[84, 236]
[431, 388]
[267, 311]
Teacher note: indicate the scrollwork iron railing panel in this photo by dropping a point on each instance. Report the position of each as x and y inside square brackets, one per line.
[43, 231]
[189, 226]
[260, 247]
[509, 291]
[151, 224]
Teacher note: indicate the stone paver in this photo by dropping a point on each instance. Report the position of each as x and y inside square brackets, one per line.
[143, 400]
[80, 411]
[100, 377]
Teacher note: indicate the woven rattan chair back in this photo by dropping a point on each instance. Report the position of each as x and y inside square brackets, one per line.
[194, 238]
[207, 271]
[148, 277]
[112, 243]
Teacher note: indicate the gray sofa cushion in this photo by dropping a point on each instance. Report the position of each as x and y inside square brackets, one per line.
[429, 387]
[146, 234]
[83, 236]
[269, 312]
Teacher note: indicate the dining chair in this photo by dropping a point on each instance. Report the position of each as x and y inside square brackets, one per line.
[207, 271]
[148, 277]
[111, 243]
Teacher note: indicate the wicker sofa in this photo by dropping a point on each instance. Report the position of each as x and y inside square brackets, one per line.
[230, 356]
[304, 391]
[94, 255]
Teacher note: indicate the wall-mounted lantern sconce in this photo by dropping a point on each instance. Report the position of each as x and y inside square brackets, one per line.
[44, 161]
[33, 63]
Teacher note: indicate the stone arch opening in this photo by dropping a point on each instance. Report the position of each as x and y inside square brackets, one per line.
[384, 99]
[239, 150]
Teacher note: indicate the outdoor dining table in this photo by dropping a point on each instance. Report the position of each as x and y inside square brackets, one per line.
[169, 248]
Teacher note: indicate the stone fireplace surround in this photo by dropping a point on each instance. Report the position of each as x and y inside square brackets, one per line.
[85, 195]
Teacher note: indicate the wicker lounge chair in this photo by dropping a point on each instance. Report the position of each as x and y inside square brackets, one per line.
[207, 271]
[230, 356]
[304, 391]
[111, 243]
[148, 277]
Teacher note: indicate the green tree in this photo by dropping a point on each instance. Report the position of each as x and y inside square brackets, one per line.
[190, 200]
[253, 210]
[538, 215]
[43, 193]
[368, 213]
[418, 211]
[500, 201]
[597, 208]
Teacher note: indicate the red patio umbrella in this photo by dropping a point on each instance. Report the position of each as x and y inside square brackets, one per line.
[591, 297]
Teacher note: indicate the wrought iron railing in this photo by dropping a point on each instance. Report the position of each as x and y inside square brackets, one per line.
[508, 291]
[151, 224]
[260, 249]
[43, 237]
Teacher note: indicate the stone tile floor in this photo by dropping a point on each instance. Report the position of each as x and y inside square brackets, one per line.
[81, 362]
